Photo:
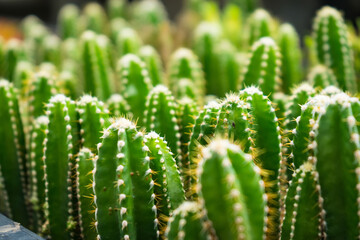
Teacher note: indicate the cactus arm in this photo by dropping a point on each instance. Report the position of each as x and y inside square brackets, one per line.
[12, 158]
[84, 168]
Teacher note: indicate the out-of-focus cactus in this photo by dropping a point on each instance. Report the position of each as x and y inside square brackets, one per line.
[320, 77]
[264, 68]
[232, 24]
[13, 165]
[333, 47]
[127, 41]
[94, 18]
[68, 17]
[289, 46]
[260, 24]
[13, 53]
[153, 63]
[118, 106]
[135, 84]
[116, 8]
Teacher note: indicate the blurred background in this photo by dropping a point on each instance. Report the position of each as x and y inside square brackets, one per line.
[298, 12]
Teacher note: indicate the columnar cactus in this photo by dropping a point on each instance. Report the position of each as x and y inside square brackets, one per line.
[260, 24]
[333, 47]
[337, 128]
[13, 53]
[127, 41]
[264, 66]
[123, 159]
[58, 157]
[94, 18]
[303, 218]
[289, 46]
[136, 84]
[116, 8]
[95, 65]
[188, 222]
[12, 158]
[320, 77]
[168, 187]
[266, 145]
[160, 116]
[84, 169]
[67, 17]
[185, 64]
[232, 192]
[117, 106]
[37, 171]
[153, 63]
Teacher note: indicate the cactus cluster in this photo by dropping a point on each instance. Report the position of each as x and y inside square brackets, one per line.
[125, 125]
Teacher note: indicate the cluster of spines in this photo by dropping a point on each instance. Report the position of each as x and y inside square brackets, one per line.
[136, 84]
[160, 116]
[264, 67]
[227, 179]
[123, 159]
[333, 47]
[168, 186]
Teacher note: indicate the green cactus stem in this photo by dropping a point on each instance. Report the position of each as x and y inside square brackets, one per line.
[187, 222]
[84, 168]
[69, 14]
[260, 25]
[95, 18]
[136, 84]
[153, 63]
[333, 47]
[118, 106]
[289, 45]
[320, 77]
[125, 209]
[168, 187]
[58, 157]
[160, 116]
[264, 68]
[127, 41]
[12, 161]
[116, 8]
[13, 53]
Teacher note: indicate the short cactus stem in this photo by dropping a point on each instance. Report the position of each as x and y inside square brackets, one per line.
[160, 116]
[264, 68]
[116, 8]
[266, 150]
[12, 159]
[93, 118]
[207, 36]
[184, 64]
[168, 187]
[123, 159]
[95, 18]
[22, 75]
[84, 169]
[127, 41]
[136, 84]
[13, 53]
[303, 218]
[58, 159]
[321, 76]
[187, 223]
[260, 24]
[227, 179]
[289, 46]
[51, 50]
[333, 46]
[69, 14]
[37, 181]
[117, 106]
[337, 138]
[153, 63]
[96, 67]
[67, 84]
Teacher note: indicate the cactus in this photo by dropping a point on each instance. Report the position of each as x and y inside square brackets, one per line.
[333, 48]
[232, 24]
[260, 25]
[84, 168]
[116, 8]
[320, 77]
[136, 84]
[117, 106]
[22, 75]
[289, 46]
[12, 161]
[153, 63]
[37, 181]
[235, 191]
[68, 15]
[51, 50]
[264, 66]
[94, 18]
[303, 218]
[13, 53]
[184, 64]
[337, 128]
[59, 149]
[168, 188]
[96, 66]
[266, 145]
[123, 159]
[93, 118]
[160, 116]
[127, 41]
[187, 224]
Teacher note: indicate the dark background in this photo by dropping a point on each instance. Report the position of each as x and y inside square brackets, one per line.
[298, 12]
